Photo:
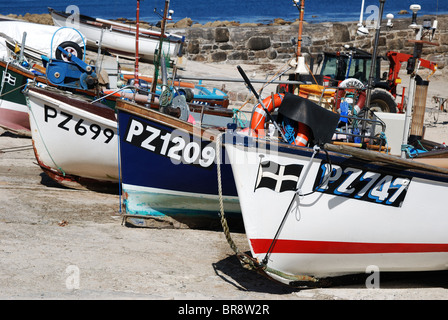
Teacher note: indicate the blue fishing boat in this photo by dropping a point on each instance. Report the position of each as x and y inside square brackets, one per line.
[169, 171]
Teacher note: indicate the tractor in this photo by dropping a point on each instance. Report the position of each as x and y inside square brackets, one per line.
[344, 75]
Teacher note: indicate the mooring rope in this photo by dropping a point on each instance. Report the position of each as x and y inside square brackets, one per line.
[224, 224]
[246, 261]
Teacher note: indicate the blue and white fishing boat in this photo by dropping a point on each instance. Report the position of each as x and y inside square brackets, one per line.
[169, 172]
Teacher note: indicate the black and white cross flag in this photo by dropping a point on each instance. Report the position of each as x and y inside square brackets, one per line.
[278, 177]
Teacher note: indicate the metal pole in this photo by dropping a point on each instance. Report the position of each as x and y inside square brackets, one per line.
[299, 39]
[22, 49]
[158, 59]
[361, 16]
[137, 42]
[412, 86]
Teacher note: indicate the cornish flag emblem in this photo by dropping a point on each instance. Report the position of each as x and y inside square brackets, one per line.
[278, 177]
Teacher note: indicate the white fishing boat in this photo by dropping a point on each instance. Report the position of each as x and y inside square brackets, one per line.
[120, 39]
[39, 39]
[316, 210]
[314, 214]
[75, 141]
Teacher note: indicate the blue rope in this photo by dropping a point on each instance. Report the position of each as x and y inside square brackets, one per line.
[290, 132]
[383, 137]
[237, 118]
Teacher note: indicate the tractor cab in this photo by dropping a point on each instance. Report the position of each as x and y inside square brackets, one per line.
[339, 66]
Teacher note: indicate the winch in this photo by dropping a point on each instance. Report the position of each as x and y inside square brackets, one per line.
[73, 73]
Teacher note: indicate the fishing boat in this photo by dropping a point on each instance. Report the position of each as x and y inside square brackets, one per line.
[196, 94]
[119, 39]
[37, 39]
[75, 141]
[13, 110]
[316, 210]
[213, 97]
[13, 107]
[169, 172]
[327, 210]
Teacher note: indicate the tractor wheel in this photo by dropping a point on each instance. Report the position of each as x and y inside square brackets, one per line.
[382, 101]
[70, 47]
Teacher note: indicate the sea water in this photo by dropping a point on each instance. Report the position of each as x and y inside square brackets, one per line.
[202, 11]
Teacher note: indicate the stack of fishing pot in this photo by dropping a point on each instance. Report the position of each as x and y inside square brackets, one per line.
[418, 112]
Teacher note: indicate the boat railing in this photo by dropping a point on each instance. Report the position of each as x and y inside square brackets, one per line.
[112, 93]
[362, 131]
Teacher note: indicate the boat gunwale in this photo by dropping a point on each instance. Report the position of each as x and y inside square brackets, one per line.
[96, 109]
[340, 156]
[162, 118]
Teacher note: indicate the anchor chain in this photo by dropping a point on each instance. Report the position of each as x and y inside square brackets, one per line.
[247, 261]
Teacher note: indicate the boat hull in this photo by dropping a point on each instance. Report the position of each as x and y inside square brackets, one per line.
[13, 110]
[160, 180]
[74, 141]
[121, 41]
[364, 216]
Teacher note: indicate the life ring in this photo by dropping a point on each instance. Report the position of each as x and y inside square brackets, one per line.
[257, 124]
[259, 115]
[351, 83]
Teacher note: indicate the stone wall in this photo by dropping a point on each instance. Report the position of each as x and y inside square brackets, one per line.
[264, 44]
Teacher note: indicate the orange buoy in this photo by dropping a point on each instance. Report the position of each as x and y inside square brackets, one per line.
[302, 137]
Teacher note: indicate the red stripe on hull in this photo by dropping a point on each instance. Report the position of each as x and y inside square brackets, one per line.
[329, 247]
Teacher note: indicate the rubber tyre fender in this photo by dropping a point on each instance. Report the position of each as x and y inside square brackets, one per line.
[383, 100]
[71, 47]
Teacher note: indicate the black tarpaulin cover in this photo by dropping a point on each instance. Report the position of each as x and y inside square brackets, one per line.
[321, 121]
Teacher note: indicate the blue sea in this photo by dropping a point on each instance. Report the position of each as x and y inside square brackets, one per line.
[202, 11]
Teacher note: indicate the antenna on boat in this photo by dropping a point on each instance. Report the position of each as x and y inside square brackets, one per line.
[413, 64]
[301, 67]
[390, 24]
[362, 30]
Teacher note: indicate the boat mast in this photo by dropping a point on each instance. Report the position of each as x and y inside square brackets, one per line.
[299, 39]
[137, 42]
[158, 58]
[300, 60]
[374, 55]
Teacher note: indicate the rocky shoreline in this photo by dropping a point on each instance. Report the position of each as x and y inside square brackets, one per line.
[45, 18]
